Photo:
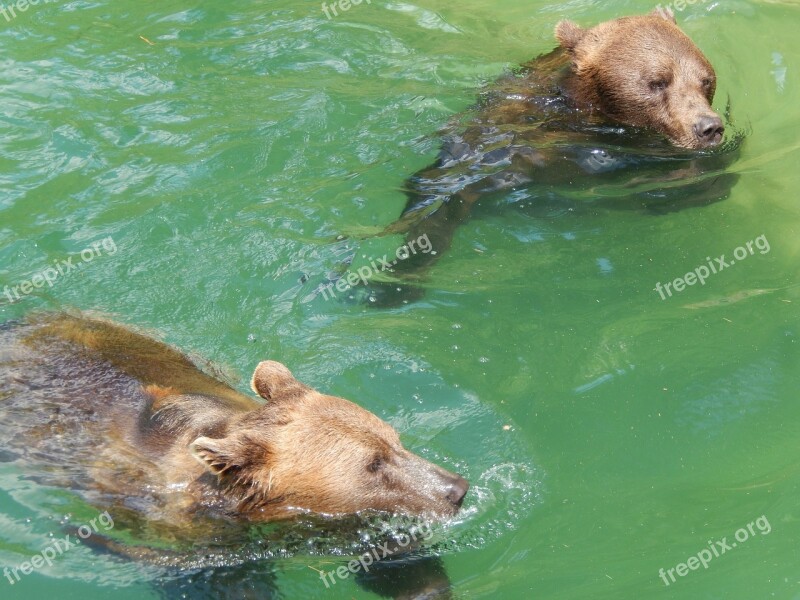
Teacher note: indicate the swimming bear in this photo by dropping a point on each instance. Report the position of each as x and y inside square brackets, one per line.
[625, 104]
[128, 420]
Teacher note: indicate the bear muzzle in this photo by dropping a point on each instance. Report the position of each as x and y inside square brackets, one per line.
[708, 130]
[449, 492]
[458, 489]
[426, 488]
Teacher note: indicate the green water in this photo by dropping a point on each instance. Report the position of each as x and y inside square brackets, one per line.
[223, 146]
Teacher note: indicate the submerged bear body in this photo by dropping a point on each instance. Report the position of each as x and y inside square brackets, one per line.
[131, 422]
[625, 104]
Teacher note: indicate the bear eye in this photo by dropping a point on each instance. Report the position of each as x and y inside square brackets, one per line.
[376, 465]
[658, 85]
[707, 82]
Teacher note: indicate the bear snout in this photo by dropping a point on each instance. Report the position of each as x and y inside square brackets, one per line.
[434, 489]
[458, 489]
[709, 130]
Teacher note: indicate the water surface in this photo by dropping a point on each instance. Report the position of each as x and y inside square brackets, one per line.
[223, 147]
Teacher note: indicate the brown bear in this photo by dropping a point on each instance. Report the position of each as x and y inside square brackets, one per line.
[625, 104]
[132, 422]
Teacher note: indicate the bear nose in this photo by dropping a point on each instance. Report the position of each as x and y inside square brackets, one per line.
[458, 489]
[709, 130]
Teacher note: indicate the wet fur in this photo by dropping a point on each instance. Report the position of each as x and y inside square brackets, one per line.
[126, 416]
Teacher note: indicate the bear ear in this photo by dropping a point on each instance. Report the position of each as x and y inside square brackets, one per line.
[569, 34]
[216, 455]
[664, 13]
[271, 380]
[235, 455]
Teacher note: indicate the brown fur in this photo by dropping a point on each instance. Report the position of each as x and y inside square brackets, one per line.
[644, 71]
[154, 426]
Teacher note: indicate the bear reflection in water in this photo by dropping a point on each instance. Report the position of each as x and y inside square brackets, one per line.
[135, 427]
[620, 112]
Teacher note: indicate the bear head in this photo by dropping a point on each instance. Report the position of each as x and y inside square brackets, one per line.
[645, 72]
[307, 451]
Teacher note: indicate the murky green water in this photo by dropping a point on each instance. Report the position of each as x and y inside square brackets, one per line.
[608, 433]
